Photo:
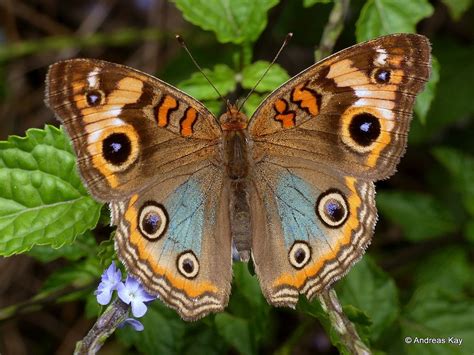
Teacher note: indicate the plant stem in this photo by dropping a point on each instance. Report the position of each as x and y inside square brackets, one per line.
[332, 30]
[105, 325]
[341, 324]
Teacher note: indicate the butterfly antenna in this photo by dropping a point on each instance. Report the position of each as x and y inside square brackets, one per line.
[183, 44]
[285, 42]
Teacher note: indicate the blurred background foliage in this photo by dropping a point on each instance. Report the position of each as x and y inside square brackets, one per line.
[417, 277]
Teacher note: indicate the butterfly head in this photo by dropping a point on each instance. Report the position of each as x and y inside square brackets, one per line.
[233, 119]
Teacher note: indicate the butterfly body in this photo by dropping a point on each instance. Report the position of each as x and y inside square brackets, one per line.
[292, 188]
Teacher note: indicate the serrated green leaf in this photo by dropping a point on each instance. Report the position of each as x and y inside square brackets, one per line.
[252, 73]
[235, 332]
[198, 87]
[42, 199]
[420, 216]
[232, 21]
[369, 289]
[84, 245]
[434, 316]
[309, 3]
[382, 17]
[424, 100]
[461, 167]
[457, 7]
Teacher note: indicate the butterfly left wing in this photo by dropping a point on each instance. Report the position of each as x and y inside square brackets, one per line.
[152, 152]
[319, 142]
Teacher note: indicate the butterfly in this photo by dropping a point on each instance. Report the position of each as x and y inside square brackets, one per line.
[291, 188]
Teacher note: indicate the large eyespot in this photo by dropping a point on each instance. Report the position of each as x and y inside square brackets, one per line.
[300, 254]
[381, 76]
[94, 97]
[332, 208]
[152, 220]
[364, 129]
[188, 264]
[116, 148]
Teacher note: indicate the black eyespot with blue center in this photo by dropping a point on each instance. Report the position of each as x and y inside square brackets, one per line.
[152, 220]
[364, 129]
[382, 76]
[332, 208]
[94, 97]
[116, 148]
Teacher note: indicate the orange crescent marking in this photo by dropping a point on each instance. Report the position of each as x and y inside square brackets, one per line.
[192, 289]
[164, 109]
[187, 122]
[306, 99]
[287, 118]
[297, 279]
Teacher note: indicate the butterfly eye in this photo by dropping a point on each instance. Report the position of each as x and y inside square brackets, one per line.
[188, 264]
[331, 208]
[94, 97]
[300, 254]
[152, 220]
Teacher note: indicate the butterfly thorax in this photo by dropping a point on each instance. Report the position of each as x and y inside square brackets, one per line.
[235, 152]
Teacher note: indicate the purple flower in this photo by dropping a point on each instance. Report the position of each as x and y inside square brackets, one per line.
[133, 293]
[110, 280]
[135, 324]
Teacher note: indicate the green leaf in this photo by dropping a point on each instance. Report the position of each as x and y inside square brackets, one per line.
[78, 275]
[461, 167]
[447, 270]
[232, 21]
[424, 100]
[235, 331]
[382, 17]
[469, 231]
[198, 87]
[252, 104]
[273, 79]
[84, 245]
[431, 315]
[457, 7]
[309, 3]
[369, 289]
[42, 199]
[163, 334]
[420, 216]
[215, 106]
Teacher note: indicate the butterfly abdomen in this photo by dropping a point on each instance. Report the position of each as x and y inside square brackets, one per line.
[235, 152]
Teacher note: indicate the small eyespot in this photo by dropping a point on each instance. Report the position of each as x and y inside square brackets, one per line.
[188, 264]
[300, 254]
[332, 208]
[364, 129]
[382, 76]
[152, 220]
[94, 97]
[116, 148]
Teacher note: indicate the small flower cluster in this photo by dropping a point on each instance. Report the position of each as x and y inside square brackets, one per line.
[130, 292]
